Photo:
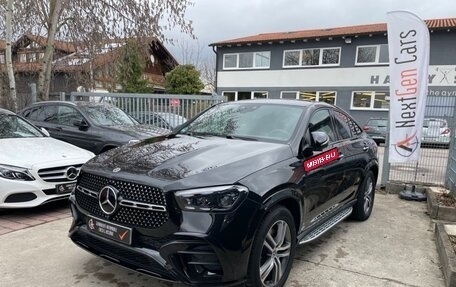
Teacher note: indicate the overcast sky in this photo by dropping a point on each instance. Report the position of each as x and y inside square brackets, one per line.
[217, 20]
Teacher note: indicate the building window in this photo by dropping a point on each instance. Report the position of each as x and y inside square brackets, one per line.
[311, 57]
[31, 57]
[229, 61]
[250, 60]
[41, 55]
[372, 55]
[378, 100]
[230, 96]
[291, 58]
[239, 96]
[313, 96]
[2, 58]
[259, 95]
[22, 57]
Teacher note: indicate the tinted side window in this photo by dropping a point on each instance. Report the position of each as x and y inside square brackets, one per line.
[321, 121]
[47, 114]
[68, 115]
[342, 123]
[31, 113]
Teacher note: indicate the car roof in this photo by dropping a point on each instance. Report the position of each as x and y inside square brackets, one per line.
[287, 102]
[6, 112]
[77, 103]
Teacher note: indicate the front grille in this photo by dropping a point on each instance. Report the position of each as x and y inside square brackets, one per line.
[57, 174]
[128, 190]
[125, 215]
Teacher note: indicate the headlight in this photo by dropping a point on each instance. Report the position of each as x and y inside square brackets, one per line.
[15, 173]
[219, 198]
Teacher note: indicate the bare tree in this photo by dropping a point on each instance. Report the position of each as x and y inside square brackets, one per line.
[8, 59]
[192, 53]
[78, 20]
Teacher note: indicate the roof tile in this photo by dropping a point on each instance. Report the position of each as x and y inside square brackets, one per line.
[331, 32]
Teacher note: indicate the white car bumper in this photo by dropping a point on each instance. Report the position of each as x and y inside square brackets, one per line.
[21, 194]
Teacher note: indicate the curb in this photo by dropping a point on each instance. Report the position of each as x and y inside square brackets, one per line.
[439, 212]
[446, 254]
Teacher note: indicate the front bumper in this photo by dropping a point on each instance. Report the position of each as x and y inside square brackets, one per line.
[205, 249]
[26, 194]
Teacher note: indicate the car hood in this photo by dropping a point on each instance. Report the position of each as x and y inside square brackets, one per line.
[28, 152]
[141, 131]
[186, 161]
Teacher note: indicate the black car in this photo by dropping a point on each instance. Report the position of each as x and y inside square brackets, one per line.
[376, 128]
[227, 197]
[97, 127]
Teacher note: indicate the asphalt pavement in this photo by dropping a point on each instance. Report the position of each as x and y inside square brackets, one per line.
[394, 248]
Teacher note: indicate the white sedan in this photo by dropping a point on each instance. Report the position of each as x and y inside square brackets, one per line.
[35, 168]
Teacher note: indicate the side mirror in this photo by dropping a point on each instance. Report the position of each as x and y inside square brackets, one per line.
[82, 125]
[321, 139]
[45, 132]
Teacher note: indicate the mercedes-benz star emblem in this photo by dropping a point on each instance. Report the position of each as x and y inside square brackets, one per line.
[107, 198]
[117, 169]
[71, 173]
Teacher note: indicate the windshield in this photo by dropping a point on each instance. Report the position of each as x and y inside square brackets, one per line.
[248, 120]
[12, 126]
[107, 115]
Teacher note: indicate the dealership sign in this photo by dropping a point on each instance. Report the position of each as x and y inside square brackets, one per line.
[408, 44]
[321, 159]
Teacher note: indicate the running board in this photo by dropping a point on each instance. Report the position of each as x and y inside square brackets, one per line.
[314, 234]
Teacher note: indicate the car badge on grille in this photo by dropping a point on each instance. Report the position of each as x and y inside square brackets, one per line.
[117, 169]
[71, 173]
[107, 199]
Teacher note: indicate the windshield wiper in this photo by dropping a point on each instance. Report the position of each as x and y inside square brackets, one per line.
[202, 134]
[241, 138]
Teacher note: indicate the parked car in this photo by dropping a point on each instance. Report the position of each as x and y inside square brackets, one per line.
[162, 120]
[376, 128]
[34, 168]
[435, 132]
[228, 196]
[97, 127]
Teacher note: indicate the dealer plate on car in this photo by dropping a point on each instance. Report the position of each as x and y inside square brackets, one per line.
[109, 230]
[65, 188]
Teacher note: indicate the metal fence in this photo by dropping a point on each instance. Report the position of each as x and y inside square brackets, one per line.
[439, 130]
[166, 111]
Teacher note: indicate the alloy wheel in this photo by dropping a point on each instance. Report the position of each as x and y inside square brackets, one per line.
[368, 194]
[275, 254]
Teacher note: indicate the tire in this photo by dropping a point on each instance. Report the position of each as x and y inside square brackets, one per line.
[365, 198]
[272, 253]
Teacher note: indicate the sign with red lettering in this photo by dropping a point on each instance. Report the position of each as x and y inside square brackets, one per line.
[321, 159]
[174, 102]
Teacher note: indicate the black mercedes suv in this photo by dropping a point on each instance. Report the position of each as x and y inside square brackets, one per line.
[227, 197]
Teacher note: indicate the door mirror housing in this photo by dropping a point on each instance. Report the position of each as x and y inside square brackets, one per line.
[321, 139]
[82, 125]
[45, 132]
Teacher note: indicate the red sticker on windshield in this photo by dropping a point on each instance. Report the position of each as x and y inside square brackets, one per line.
[321, 159]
